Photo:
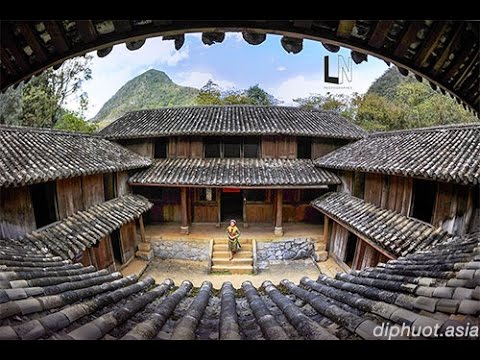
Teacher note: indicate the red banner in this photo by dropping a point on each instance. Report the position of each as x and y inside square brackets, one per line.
[230, 190]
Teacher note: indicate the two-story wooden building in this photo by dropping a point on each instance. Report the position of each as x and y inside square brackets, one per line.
[251, 163]
[68, 193]
[402, 191]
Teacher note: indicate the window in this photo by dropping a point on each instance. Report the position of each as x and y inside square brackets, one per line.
[207, 194]
[160, 148]
[255, 195]
[44, 203]
[212, 147]
[359, 185]
[110, 185]
[251, 147]
[304, 148]
[232, 147]
[424, 193]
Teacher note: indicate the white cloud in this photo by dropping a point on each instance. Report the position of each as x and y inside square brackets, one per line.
[237, 36]
[121, 65]
[301, 86]
[198, 79]
[281, 68]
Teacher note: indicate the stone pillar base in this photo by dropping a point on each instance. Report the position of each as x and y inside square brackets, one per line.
[278, 231]
[246, 225]
[144, 246]
[185, 230]
[217, 225]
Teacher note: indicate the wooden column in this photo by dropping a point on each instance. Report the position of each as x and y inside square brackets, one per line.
[244, 209]
[278, 219]
[142, 228]
[219, 207]
[184, 229]
[325, 232]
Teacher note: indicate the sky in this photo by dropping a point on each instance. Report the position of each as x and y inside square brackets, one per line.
[232, 64]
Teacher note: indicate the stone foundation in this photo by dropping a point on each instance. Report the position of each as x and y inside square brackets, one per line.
[181, 249]
[290, 249]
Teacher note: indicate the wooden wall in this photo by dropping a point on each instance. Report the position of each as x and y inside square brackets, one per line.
[301, 213]
[323, 146]
[454, 207]
[347, 181]
[259, 212]
[338, 241]
[142, 147]
[79, 193]
[283, 147]
[92, 190]
[205, 212]
[366, 256]
[16, 212]
[128, 238]
[69, 197]
[182, 147]
[122, 183]
[100, 255]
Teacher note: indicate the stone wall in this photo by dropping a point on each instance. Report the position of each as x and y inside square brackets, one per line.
[181, 249]
[291, 249]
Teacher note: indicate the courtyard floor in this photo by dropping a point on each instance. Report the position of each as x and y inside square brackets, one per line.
[260, 232]
[197, 271]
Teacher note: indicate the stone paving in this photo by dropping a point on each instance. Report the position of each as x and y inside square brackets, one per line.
[197, 272]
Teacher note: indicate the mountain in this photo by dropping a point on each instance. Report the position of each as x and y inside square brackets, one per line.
[387, 84]
[150, 90]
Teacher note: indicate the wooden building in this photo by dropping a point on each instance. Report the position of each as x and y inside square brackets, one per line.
[425, 176]
[57, 183]
[214, 163]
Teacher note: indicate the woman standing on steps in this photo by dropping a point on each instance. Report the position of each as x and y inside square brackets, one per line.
[233, 235]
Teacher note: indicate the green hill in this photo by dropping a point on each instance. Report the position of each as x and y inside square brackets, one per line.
[150, 90]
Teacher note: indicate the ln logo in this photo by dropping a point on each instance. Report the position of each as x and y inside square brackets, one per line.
[345, 70]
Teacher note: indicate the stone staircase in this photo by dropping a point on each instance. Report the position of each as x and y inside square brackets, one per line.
[320, 249]
[242, 262]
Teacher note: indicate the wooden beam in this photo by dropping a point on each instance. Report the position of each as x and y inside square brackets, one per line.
[447, 50]
[459, 60]
[244, 209]
[380, 33]
[31, 40]
[7, 63]
[408, 38]
[122, 26]
[219, 206]
[86, 30]
[466, 71]
[345, 28]
[279, 213]
[430, 43]
[9, 42]
[57, 37]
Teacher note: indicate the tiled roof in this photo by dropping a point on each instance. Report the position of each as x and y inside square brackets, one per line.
[444, 153]
[397, 234]
[68, 237]
[232, 120]
[32, 155]
[234, 172]
[44, 299]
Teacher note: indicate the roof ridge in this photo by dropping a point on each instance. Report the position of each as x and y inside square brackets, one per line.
[426, 129]
[18, 128]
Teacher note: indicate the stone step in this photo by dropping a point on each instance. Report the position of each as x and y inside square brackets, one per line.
[224, 247]
[144, 255]
[321, 255]
[235, 261]
[320, 246]
[233, 269]
[224, 241]
[226, 254]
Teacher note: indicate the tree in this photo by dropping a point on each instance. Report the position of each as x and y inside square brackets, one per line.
[41, 101]
[258, 96]
[209, 94]
[339, 103]
[71, 121]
